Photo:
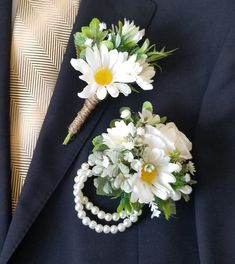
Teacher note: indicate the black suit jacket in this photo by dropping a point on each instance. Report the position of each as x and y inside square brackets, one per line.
[196, 90]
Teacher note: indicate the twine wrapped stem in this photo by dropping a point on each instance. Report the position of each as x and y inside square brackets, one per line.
[82, 115]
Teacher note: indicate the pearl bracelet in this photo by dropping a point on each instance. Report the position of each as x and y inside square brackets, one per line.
[82, 204]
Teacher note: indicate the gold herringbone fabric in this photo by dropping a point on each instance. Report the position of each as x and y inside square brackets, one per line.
[40, 35]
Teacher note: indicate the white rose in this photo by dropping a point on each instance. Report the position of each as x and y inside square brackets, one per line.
[155, 138]
[181, 142]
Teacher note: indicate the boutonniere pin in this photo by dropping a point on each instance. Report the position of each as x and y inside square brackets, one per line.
[112, 61]
[143, 162]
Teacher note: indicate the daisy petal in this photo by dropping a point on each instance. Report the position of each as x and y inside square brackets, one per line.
[176, 196]
[123, 88]
[80, 65]
[113, 90]
[160, 192]
[88, 91]
[101, 92]
[104, 56]
[113, 58]
[93, 57]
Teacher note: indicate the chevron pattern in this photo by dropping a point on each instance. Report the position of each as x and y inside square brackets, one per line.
[40, 35]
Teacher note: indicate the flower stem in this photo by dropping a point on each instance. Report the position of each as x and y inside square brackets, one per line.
[82, 115]
[68, 138]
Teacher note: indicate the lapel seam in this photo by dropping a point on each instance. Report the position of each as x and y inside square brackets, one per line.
[153, 15]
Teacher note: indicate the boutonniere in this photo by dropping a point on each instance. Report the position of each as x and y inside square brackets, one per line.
[143, 162]
[112, 61]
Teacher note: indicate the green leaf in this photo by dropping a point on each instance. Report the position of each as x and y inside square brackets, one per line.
[178, 184]
[136, 206]
[104, 188]
[117, 41]
[163, 119]
[98, 144]
[168, 207]
[186, 197]
[121, 206]
[174, 156]
[133, 88]
[148, 106]
[97, 140]
[93, 32]
[101, 182]
[100, 147]
[79, 39]
[108, 44]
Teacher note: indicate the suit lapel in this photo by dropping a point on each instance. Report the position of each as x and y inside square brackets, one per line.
[5, 195]
[51, 159]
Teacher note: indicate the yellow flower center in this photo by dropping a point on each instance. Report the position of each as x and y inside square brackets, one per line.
[149, 173]
[103, 77]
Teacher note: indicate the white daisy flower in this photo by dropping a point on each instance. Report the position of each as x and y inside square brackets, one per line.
[132, 32]
[118, 135]
[154, 177]
[106, 72]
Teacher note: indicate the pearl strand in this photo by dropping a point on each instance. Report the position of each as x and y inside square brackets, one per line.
[82, 203]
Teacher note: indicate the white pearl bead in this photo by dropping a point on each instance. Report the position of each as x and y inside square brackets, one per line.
[81, 185]
[85, 166]
[127, 222]
[121, 227]
[76, 179]
[113, 229]
[76, 186]
[133, 218]
[89, 173]
[108, 217]
[89, 205]
[75, 192]
[86, 221]
[81, 214]
[95, 210]
[78, 174]
[106, 229]
[115, 216]
[99, 228]
[122, 214]
[84, 200]
[92, 224]
[101, 215]
[77, 199]
[83, 178]
[78, 207]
